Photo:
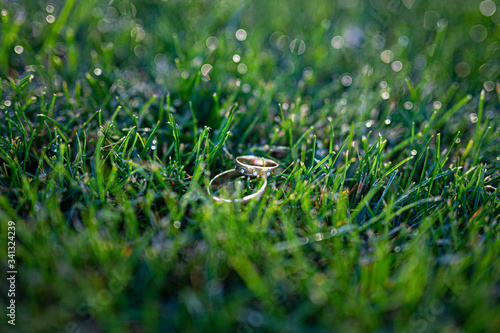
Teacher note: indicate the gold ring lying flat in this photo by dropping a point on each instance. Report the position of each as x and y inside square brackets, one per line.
[227, 176]
[250, 165]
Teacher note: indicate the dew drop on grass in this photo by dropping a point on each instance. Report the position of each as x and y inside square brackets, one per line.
[236, 58]
[442, 23]
[97, 71]
[414, 152]
[241, 35]
[478, 33]
[403, 40]
[255, 318]
[242, 68]
[387, 121]
[457, 140]
[18, 49]
[50, 19]
[346, 80]
[308, 73]
[487, 8]
[397, 66]
[385, 95]
[153, 147]
[246, 88]
[302, 48]
[462, 69]
[139, 33]
[154, 142]
[489, 85]
[369, 123]
[378, 42]
[177, 224]
[7, 103]
[387, 56]
[140, 51]
[337, 42]
[408, 105]
[49, 9]
[420, 62]
[367, 70]
[212, 43]
[473, 118]
[205, 69]
[437, 105]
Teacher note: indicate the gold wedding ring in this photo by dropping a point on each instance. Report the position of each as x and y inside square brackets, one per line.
[250, 165]
[226, 177]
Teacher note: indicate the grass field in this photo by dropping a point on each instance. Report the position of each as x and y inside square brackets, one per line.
[384, 216]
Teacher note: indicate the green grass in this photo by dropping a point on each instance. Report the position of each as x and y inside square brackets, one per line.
[384, 216]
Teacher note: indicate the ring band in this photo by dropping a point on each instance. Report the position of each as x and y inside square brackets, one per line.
[250, 165]
[227, 176]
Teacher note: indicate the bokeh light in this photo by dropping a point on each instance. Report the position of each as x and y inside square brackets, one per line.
[487, 8]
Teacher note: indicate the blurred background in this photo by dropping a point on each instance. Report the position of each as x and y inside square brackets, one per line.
[242, 49]
[354, 62]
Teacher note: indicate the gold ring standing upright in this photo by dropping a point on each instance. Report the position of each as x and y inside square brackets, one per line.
[250, 166]
[255, 166]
